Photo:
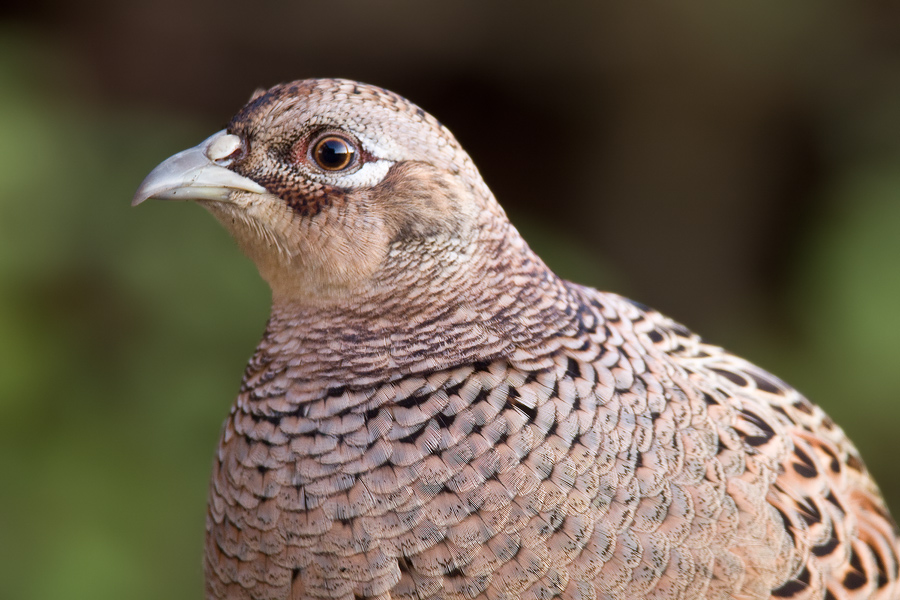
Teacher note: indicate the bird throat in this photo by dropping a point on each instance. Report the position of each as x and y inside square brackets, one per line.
[481, 313]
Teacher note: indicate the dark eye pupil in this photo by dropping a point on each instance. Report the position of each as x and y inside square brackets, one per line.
[333, 153]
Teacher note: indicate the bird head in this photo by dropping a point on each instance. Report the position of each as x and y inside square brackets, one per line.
[333, 187]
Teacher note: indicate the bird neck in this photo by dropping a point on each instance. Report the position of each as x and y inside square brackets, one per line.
[473, 304]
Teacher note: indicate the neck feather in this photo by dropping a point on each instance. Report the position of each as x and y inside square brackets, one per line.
[466, 307]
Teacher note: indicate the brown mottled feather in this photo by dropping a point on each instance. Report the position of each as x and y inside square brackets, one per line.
[433, 414]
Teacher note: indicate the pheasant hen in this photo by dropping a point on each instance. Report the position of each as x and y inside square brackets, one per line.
[433, 414]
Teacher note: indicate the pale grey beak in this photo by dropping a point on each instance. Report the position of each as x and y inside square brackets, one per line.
[198, 173]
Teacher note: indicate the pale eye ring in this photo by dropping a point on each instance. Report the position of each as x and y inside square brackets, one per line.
[333, 153]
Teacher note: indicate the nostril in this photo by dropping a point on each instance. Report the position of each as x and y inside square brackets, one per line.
[226, 149]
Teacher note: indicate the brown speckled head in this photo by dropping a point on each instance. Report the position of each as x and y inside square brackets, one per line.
[407, 181]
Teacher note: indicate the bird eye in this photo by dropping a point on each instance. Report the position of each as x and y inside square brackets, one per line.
[333, 153]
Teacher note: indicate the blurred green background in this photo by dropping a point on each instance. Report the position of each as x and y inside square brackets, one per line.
[736, 166]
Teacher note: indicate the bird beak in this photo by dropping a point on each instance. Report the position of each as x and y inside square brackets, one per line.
[199, 173]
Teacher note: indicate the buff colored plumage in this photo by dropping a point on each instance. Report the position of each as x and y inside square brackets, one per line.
[433, 414]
